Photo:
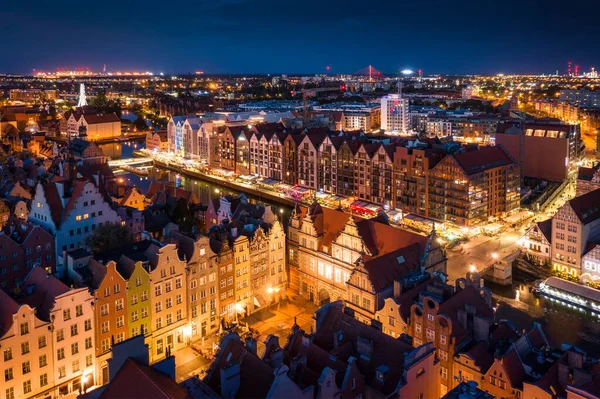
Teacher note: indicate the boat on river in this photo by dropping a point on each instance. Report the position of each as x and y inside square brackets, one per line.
[570, 293]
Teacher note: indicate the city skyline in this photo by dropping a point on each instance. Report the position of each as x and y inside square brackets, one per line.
[231, 36]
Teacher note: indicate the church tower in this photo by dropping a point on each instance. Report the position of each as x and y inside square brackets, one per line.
[82, 100]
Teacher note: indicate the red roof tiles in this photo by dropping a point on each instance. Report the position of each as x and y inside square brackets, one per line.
[482, 159]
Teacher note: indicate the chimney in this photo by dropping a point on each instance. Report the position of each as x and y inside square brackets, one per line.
[461, 315]
[251, 344]
[364, 347]
[297, 366]
[338, 338]
[230, 380]
[397, 288]
[273, 353]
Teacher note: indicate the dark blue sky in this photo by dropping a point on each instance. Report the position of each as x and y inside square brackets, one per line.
[301, 36]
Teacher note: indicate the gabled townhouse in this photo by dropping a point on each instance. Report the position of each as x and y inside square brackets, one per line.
[375, 173]
[111, 323]
[70, 210]
[451, 322]
[23, 246]
[71, 314]
[311, 366]
[157, 141]
[168, 299]
[139, 307]
[25, 349]
[290, 158]
[325, 165]
[537, 242]
[575, 224]
[344, 168]
[338, 256]
[201, 283]
[308, 160]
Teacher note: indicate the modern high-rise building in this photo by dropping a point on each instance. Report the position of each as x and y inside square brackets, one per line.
[394, 114]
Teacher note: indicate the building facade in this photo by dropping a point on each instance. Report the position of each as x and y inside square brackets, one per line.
[394, 114]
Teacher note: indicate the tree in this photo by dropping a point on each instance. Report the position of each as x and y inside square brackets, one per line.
[108, 237]
[140, 123]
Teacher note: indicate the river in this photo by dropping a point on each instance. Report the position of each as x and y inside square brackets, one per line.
[515, 303]
[561, 323]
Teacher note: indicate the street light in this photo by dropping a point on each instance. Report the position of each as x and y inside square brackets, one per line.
[494, 255]
[472, 268]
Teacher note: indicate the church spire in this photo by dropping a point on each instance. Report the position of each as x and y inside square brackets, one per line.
[82, 100]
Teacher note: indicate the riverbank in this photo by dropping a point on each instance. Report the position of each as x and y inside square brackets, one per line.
[116, 139]
[261, 194]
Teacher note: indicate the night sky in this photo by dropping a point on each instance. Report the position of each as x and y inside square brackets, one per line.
[302, 36]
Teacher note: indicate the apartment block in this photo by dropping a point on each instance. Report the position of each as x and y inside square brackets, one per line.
[470, 187]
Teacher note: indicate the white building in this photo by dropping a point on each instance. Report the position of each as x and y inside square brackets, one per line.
[70, 210]
[25, 351]
[394, 114]
[70, 313]
[189, 137]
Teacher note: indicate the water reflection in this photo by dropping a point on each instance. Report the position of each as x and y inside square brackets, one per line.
[205, 191]
[561, 323]
[122, 149]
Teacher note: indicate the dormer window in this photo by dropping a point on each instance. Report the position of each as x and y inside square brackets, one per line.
[381, 372]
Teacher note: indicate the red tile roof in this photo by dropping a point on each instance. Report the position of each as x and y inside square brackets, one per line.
[135, 380]
[587, 206]
[41, 289]
[392, 252]
[514, 368]
[389, 351]
[481, 356]
[256, 376]
[470, 296]
[585, 173]
[8, 307]
[95, 119]
[482, 159]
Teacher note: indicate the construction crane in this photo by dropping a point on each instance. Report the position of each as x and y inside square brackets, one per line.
[312, 93]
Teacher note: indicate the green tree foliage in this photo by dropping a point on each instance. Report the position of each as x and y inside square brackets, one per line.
[105, 105]
[109, 236]
[140, 123]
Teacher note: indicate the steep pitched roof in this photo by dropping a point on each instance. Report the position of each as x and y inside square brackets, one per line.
[481, 355]
[546, 229]
[514, 368]
[256, 376]
[41, 289]
[384, 270]
[470, 296]
[587, 206]
[135, 380]
[8, 307]
[332, 321]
